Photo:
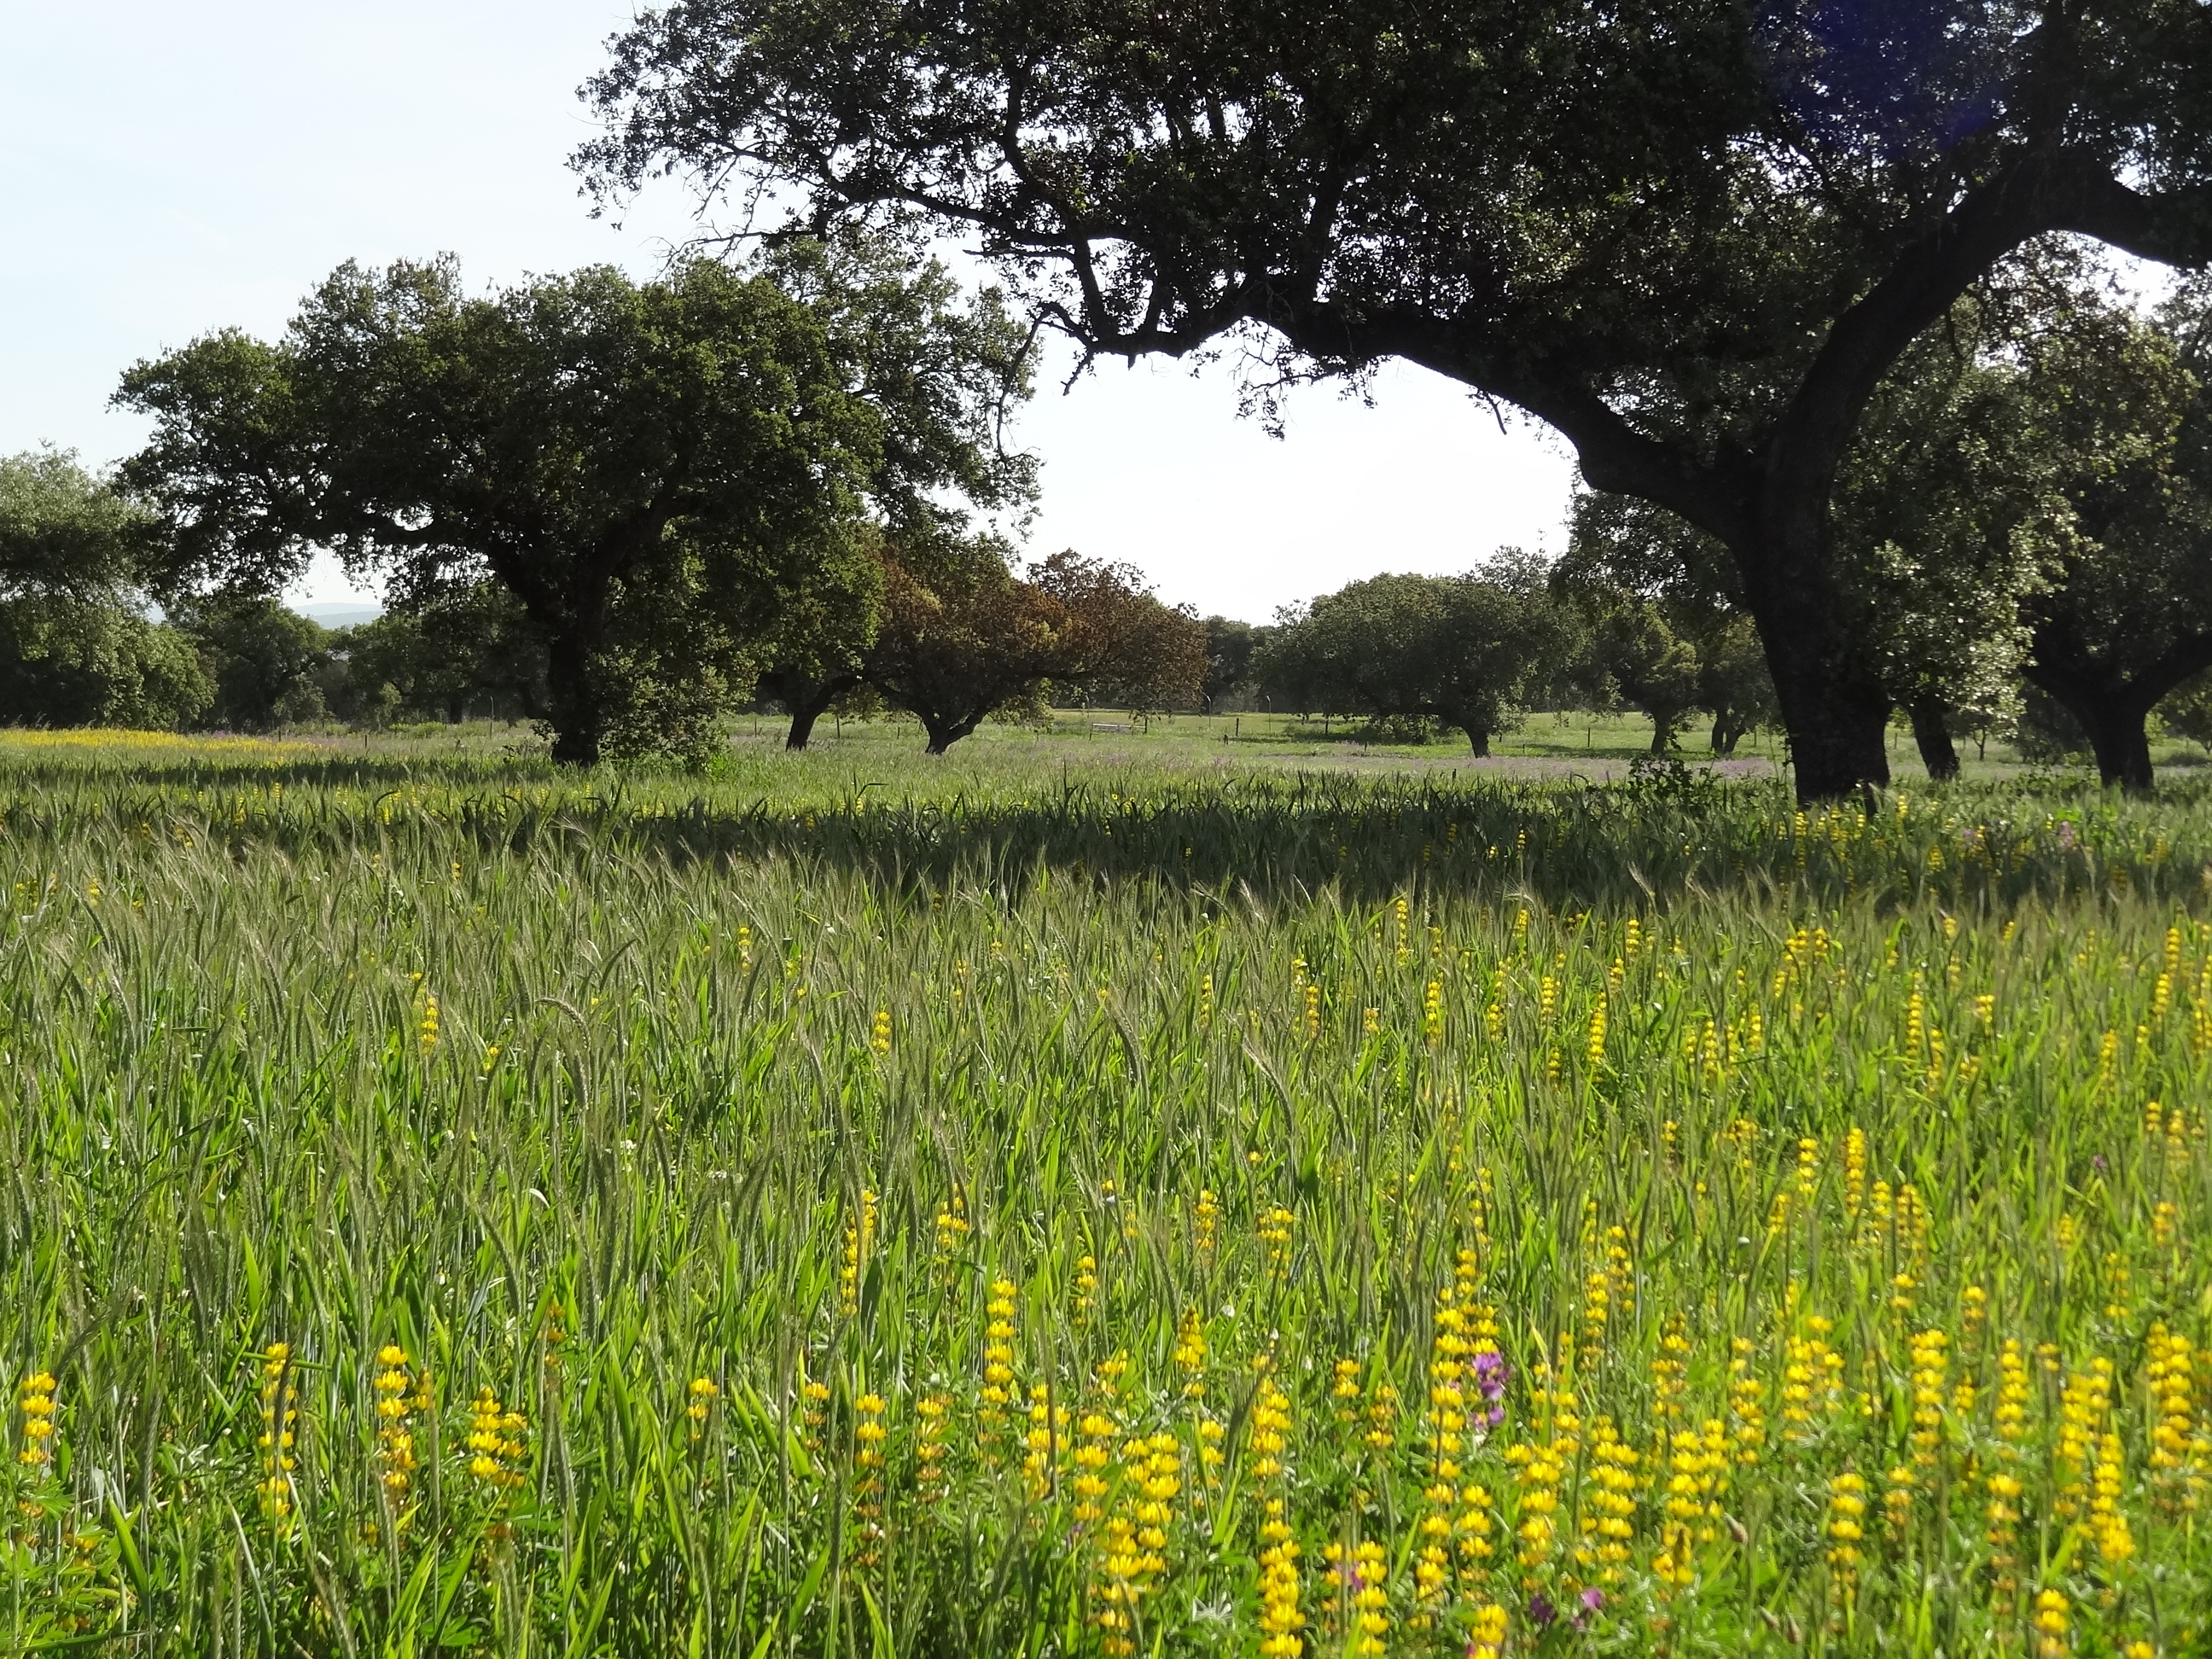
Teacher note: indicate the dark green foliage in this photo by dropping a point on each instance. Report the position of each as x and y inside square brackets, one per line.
[269, 665]
[651, 469]
[70, 661]
[560, 435]
[1651, 668]
[77, 647]
[62, 529]
[2125, 409]
[1461, 650]
[1229, 649]
[471, 648]
[2043, 731]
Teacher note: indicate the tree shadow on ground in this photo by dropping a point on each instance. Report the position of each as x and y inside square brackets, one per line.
[1669, 833]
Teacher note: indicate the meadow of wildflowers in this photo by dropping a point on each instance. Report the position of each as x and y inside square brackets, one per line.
[993, 1210]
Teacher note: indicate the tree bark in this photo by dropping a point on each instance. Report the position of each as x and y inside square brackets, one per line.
[1478, 739]
[1837, 717]
[1933, 734]
[805, 700]
[2112, 700]
[2116, 724]
[2119, 737]
[802, 717]
[943, 731]
[572, 703]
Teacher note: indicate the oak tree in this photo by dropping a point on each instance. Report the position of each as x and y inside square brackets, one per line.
[648, 467]
[1459, 650]
[965, 637]
[2123, 412]
[1691, 235]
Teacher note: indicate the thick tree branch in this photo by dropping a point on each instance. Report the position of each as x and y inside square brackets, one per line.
[2173, 228]
[1614, 456]
[1927, 277]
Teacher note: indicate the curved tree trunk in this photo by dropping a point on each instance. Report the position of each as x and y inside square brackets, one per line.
[2118, 735]
[2122, 742]
[802, 723]
[2112, 702]
[944, 730]
[807, 701]
[1773, 516]
[1478, 739]
[1933, 734]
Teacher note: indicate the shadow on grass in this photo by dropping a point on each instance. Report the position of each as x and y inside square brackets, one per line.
[1226, 838]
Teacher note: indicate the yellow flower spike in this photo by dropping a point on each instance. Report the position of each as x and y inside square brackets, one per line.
[1206, 1221]
[998, 1355]
[952, 1226]
[34, 1400]
[859, 1246]
[704, 1393]
[1485, 1637]
[2053, 1622]
[932, 1415]
[1275, 1230]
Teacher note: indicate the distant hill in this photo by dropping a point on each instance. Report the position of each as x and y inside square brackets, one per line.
[340, 613]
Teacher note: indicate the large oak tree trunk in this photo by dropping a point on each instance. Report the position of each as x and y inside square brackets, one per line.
[1478, 739]
[806, 700]
[1837, 726]
[1933, 734]
[2119, 737]
[2115, 720]
[572, 703]
[1836, 714]
[803, 716]
[944, 730]
[2112, 702]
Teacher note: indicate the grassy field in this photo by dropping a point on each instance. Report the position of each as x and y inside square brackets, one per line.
[1565, 746]
[1095, 1196]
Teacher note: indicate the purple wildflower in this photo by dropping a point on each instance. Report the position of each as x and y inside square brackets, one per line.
[1541, 1612]
[1591, 1599]
[1490, 1378]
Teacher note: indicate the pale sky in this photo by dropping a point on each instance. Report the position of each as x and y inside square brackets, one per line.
[168, 169]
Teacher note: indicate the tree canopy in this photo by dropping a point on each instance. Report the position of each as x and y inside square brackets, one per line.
[965, 638]
[2122, 413]
[650, 468]
[1691, 235]
[78, 645]
[64, 530]
[1229, 647]
[470, 643]
[1457, 649]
